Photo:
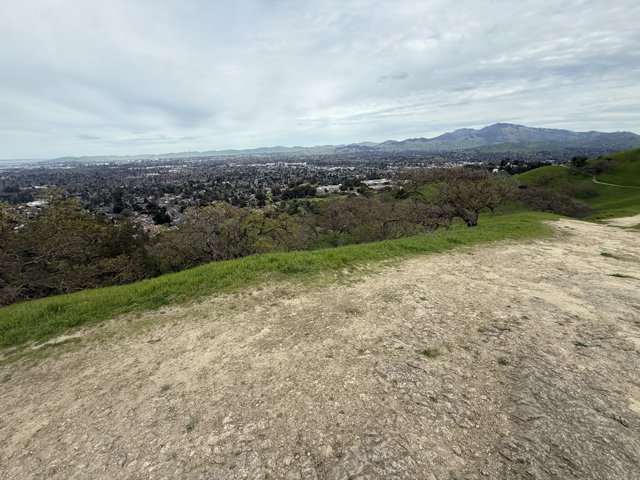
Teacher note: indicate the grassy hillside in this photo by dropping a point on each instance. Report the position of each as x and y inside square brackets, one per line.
[629, 171]
[43, 319]
[556, 173]
[608, 201]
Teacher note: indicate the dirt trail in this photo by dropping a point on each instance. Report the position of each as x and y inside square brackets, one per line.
[612, 184]
[624, 222]
[532, 371]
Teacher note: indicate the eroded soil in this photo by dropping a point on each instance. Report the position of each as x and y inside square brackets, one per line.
[504, 361]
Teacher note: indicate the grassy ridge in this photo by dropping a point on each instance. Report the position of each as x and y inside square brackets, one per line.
[43, 319]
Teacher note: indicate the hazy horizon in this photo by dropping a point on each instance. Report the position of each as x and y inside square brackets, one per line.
[166, 152]
[87, 78]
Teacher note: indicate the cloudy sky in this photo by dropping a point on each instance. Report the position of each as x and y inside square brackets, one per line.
[90, 77]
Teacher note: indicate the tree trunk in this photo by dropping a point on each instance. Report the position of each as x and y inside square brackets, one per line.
[471, 219]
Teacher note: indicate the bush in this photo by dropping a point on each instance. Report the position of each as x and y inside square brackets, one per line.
[548, 200]
[583, 190]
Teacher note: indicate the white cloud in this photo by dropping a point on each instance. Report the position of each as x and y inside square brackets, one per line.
[134, 76]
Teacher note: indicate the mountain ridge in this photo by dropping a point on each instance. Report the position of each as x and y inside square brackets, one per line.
[518, 137]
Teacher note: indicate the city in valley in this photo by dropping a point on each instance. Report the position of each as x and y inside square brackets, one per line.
[156, 191]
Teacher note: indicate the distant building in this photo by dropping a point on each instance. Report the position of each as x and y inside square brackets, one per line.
[378, 184]
[327, 189]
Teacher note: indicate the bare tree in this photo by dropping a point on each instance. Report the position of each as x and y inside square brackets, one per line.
[459, 192]
[220, 232]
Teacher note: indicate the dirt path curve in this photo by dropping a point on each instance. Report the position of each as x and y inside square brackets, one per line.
[502, 362]
[612, 184]
[624, 222]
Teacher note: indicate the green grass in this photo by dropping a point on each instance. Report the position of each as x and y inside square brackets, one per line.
[611, 201]
[43, 319]
[431, 352]
[629, 171]
[615, 202]
[554, 173]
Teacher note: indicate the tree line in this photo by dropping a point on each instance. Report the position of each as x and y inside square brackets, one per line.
[65, 248]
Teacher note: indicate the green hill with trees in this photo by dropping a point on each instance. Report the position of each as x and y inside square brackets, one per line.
[578, 183]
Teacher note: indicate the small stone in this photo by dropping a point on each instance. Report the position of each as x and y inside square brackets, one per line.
[326, 451]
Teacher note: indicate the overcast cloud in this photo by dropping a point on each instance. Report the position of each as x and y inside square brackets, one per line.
[88, 77]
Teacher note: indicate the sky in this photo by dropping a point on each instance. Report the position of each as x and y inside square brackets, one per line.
[124, 77]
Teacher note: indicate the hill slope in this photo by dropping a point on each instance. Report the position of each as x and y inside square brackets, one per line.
[505, 361]
[42, 319]
[620, 198]
[627, 172]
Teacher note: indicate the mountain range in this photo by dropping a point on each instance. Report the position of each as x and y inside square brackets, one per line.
[515, 136]
[499, 137]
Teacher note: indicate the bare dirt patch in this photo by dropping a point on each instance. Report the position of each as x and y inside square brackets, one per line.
[624, 222]
[504, 361]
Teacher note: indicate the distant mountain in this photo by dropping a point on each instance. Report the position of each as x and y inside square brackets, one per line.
[497, 137]
[500, 137]
[517, 137]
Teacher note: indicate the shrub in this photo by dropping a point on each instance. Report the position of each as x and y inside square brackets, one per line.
[548, 200]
